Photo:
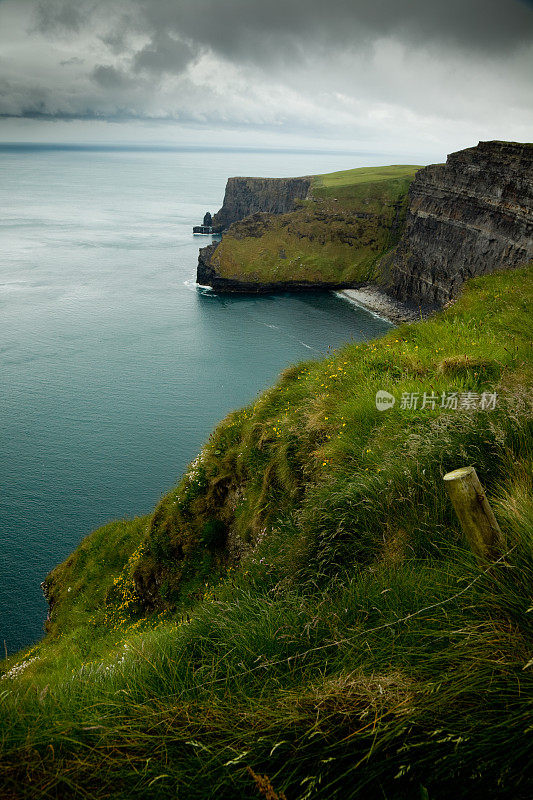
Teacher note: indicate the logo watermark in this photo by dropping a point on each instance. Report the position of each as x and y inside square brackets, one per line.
[447, 401]
[384, 400]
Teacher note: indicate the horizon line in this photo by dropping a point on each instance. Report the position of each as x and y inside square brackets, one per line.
[95, 146]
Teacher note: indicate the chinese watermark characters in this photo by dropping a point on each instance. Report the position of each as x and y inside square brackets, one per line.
[447, 401]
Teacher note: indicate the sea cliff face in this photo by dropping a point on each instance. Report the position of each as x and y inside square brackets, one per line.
[467, 217]
[245, 196]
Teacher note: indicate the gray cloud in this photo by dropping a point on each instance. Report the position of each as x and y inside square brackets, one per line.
[250, 29]
[108, 77]
[116, 41]
[391, 70]
[63, 15]
[164, 53]
[260, 30]
[68, 62]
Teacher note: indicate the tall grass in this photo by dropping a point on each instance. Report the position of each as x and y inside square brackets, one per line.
[303, 606]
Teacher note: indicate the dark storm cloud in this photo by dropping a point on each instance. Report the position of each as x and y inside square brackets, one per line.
[360, 67]
[164, 54]
[259, 30]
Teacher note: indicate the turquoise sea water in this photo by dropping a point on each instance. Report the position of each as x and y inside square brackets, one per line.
[114, 366]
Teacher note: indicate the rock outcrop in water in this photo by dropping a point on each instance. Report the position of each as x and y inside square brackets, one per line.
[245, 196]
[467, 217]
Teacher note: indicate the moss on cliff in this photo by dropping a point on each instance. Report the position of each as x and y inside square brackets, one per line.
[337, 235]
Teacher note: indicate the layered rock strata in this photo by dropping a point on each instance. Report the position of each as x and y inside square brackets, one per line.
[245, 196]
[470, 216]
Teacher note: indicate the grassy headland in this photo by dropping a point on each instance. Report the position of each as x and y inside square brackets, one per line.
[303, 603]
[337, 235]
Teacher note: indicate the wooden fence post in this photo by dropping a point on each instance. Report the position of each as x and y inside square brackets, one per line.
[475, 514]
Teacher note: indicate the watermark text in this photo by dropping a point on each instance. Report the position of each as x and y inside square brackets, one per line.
[447, 401]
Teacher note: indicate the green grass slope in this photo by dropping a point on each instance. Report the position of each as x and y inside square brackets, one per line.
[338, 235]
[301, 612]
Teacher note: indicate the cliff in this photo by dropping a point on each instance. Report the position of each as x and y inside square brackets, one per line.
[301, 615]
[245, 196]
[467, 217]
[209, 273]
[420, 242]
[333, 238]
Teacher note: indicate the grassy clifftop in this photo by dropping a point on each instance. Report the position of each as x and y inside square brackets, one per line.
[302, 605]
[337, 235]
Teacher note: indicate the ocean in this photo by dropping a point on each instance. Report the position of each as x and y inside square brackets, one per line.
[114, 365]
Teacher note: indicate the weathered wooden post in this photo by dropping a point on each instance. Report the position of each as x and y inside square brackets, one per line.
[475, 514]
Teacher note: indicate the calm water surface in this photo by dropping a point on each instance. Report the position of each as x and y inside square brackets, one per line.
[114, 366]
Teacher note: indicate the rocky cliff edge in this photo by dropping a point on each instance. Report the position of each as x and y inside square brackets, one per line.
[468, 217]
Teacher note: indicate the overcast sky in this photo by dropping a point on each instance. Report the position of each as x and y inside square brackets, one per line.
[399, 77]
